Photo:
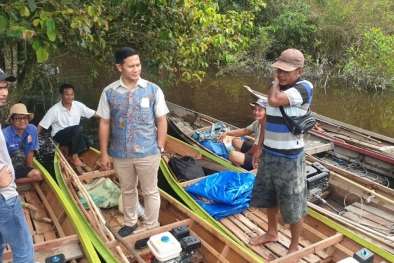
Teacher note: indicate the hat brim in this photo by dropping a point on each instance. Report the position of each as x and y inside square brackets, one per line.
[8, 78]
[284, 66]
[31, 116]
[254, 104]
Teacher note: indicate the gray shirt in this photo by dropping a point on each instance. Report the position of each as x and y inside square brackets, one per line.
[9, 191]
[255, 128]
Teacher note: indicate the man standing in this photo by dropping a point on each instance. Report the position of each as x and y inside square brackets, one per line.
[131, 109]
[280, 183]
[64, 117]
[13, 226]
[22, 140]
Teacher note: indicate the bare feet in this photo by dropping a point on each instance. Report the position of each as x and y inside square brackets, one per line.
[76, 161]
[265, 238]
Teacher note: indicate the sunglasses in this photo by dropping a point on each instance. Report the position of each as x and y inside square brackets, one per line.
[24, 118]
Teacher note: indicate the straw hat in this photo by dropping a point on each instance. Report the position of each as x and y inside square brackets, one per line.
[19, 108]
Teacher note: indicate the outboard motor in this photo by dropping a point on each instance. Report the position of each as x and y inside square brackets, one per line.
[317, 177]
[175, 247]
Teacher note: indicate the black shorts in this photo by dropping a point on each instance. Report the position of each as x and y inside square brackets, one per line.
[248, 165]
[22, 172]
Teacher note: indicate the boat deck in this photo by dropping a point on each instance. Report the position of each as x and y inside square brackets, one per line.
[51, 230]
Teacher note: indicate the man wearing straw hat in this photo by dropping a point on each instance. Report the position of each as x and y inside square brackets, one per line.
[22, 140]
[14, 229]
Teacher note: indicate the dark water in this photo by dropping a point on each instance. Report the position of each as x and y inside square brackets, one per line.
[221, 97]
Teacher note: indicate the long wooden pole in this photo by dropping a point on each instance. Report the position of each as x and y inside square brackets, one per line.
[89, 200]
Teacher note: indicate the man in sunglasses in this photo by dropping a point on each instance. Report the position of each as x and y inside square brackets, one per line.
[14, 229]
[22, 141]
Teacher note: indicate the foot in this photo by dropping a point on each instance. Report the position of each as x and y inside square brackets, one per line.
[142, 243]
[127, 230]
[76, 161]
[259, 240]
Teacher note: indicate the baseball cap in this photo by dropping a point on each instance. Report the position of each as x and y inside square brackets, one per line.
[290, 59]
[4, 76]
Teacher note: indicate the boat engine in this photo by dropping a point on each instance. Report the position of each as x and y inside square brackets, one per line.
[317, 177]
[177, 246]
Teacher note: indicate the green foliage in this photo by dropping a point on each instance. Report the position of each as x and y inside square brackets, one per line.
[372, 59]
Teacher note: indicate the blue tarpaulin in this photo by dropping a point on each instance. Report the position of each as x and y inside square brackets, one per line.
[223, 193]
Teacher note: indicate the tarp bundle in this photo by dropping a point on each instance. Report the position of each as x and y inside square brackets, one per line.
[103, 191]
[223, 193]
[209, 139]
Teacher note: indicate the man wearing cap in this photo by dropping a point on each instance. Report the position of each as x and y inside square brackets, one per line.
[64, 117]
[13, 226]
[245, 150]
[22, 140]
[280, 184]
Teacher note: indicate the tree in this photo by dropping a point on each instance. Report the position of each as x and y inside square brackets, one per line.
[175, 36]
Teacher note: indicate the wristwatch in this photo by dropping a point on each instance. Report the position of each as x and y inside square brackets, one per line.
[160, 148]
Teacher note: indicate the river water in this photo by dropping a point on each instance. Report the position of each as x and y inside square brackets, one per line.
[222, 97]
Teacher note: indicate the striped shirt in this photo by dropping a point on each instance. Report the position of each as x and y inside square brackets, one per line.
[278, 139]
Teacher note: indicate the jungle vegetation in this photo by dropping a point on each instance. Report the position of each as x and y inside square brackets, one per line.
[182, 39]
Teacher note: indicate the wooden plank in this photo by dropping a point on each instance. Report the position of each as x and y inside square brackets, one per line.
[318, 149]
[49, 245]
[95, 174]
[376, 211]
[259, 250]
[310, 249]
[49, 210]
[370, 216]
[70, 251]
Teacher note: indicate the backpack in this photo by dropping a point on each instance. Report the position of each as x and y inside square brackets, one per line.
[18, 157]
[185, 167]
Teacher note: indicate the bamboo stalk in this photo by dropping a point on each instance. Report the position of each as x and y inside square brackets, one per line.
[89, 200]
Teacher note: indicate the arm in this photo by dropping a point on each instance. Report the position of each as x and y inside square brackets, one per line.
[259, 147]
[29, 159]
[277, 98]
[235, 133]
[161, 130]
[39, 129]
[5, 177]
[104, 130]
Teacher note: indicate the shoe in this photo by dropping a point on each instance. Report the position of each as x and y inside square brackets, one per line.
[142, 243]
[127, 230]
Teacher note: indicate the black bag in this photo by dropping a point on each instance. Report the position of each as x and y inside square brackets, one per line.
[301, 124]
[185, 167]
[18, 157]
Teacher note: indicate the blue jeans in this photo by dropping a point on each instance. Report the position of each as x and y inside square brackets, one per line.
[15, 231]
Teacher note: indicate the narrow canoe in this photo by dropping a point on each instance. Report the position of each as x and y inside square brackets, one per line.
[319, 225]
[215, 247]
[350, 134]
[59, 233]
[361, 165]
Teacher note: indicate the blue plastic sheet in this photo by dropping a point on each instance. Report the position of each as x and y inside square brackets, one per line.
[223, 193]
[217, 147]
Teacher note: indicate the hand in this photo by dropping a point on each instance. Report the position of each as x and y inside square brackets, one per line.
[276, 80]
[105, 161]
[5, 177]
[222, 136]
[256, 158]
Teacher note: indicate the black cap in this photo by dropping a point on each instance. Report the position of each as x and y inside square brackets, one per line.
[4, 76]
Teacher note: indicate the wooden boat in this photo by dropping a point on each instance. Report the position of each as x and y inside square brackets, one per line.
[319, 226]
[364, 166]
[52, 223]
[350, 134]
[215, 247]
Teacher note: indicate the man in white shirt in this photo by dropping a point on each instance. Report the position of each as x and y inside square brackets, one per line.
[64, 117]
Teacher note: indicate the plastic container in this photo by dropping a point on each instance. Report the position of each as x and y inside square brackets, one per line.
[164, 246]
